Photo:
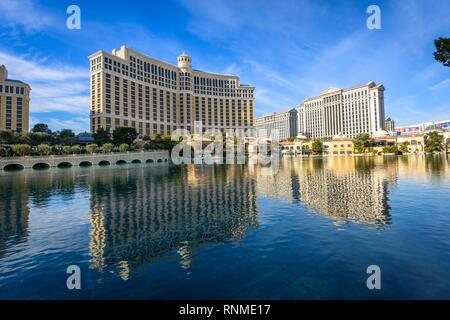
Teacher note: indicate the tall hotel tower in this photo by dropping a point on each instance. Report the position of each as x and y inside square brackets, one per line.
[129, 89]
[14, 103]
[346, 112]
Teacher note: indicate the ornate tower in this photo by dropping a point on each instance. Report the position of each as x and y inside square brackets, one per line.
[185, 62]
[3, 73]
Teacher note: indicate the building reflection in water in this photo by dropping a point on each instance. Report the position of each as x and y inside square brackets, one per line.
[345, 188]
[14, 214]
[141, 214]
[138, 217]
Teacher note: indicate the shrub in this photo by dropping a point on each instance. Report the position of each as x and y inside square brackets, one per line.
[107, 147]
[138, 146]
[91, 148]
[390, 149]
[44, 149]
[404, 147]
[67, 149]
[123, 147]
[21, 149]
[76, 149]
[147, 146]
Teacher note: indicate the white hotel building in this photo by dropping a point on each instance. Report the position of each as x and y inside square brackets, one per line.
[346, 112]
[278, 125]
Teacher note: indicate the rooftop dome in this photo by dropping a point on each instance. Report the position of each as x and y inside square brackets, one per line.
[380, 133]
[184, 62]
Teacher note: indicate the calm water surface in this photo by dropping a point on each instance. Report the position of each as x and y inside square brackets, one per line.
[229, 232]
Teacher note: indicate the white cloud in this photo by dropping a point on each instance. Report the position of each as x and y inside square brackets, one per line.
[77, 124]
[57, 87]
[24, 14]
[440, 85]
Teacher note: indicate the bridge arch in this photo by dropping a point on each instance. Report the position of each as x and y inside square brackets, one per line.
[159, 160]
[104, 163]
[85, 164]
[150, 161]
[64, 164]
[41, 166]
[13, 166]
[120, 162]
[136, 161]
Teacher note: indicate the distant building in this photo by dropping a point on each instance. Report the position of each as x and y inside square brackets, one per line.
[425, 126]
[407, 129]
[346, 112]
[389, 125]
[84, 138]
[130, 89]
[14, 103]
[278, 125]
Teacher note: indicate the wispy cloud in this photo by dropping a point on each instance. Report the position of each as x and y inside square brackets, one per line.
[54, 87]
[24, 14]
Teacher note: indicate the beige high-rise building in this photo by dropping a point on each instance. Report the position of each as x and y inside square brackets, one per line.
[14, 103]
[129, 89]
[345, 112]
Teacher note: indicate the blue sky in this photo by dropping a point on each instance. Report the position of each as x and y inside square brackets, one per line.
[288, 49]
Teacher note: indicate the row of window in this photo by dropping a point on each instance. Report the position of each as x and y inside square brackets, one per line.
[12, 89]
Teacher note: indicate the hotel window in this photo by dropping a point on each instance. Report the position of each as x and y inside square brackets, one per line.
[125, 98]
[140, 101]
[155, 105]
[133, 99]
[161, 106]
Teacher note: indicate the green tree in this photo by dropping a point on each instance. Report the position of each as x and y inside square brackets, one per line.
[434, 142]
[123, 147]
[102, 136]
[6, 137]
[107, 147]
[124, 135]
[404, 147]
[390, 149]
[148, 146]
[21, 149]
[76, 149]
[66, 137]
[91, 148]
[361, 142]
[41, 127]
[442, 53]
[317, 146]
[44, 149]
[67, 149]
[37, 138]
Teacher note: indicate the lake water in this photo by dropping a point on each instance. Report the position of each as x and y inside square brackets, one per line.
[229, 231]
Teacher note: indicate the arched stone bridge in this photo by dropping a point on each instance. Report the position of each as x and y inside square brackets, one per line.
[84, 160]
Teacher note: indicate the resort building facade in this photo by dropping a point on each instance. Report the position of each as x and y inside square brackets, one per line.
[389, 125]
[130, 89]
[278, 125]
[14, 103]
[347, 112]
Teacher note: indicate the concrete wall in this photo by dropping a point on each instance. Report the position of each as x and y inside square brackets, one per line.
[94, 159]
